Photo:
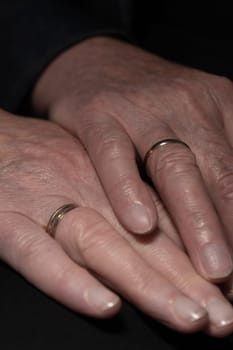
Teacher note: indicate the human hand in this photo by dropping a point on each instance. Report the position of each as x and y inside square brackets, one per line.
[43, 168]
[115, 98]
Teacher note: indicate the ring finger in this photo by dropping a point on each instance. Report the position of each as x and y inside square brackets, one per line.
[179, 182]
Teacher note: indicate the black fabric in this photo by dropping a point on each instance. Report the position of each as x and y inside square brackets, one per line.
[32, 33]
[198, 34]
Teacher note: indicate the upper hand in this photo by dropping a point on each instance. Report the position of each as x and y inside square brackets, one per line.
[120, 100]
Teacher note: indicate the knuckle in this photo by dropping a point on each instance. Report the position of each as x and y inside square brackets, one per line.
[141, 279]
[28, 248]
[187, 282]
[111, 144]
[101, 138]
[176, 162]
[187, 95]
[62, 276]
[94, 124]
[99, 102]
[92, 236]
[109, 148]
[222, 91]
[224, 83]
[103, 100]
[126, 186]
[143, 286]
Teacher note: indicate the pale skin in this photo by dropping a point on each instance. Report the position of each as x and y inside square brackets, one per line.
[119, 100]
[93, 260]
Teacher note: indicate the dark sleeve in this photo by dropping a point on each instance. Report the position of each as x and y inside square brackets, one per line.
[33, 32]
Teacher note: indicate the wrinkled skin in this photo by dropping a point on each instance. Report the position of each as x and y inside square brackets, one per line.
[92, 261]
[44, 167]
[119, 100]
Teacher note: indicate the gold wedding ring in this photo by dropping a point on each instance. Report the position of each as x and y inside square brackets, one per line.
[57, 216]
[158, 144]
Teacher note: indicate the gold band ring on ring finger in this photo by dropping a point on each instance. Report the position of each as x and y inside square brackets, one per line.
[57, 216]
[158, 144]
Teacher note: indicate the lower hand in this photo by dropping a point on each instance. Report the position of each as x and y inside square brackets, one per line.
[92, 260]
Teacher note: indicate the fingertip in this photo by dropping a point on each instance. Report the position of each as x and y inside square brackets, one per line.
[191, 314]
[111, 310]
[216, 262]
[140, 219]
[106, 303]
[220, 314]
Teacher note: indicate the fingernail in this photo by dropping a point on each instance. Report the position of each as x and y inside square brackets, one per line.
[220, 312]
[188, 310]
[101, 298]
[216, 260]
[139, 219]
